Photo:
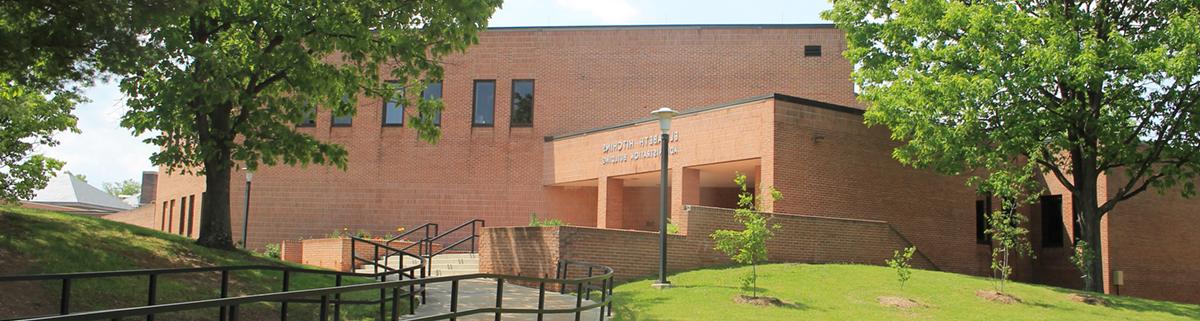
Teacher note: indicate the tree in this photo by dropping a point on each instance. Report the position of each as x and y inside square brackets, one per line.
[1004, 227]
[748, 246]
[1069, 91]
[123, 188]
[48, 50]
[227, 82]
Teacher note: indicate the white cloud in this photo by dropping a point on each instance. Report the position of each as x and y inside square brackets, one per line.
[103, 150]
[608, 11]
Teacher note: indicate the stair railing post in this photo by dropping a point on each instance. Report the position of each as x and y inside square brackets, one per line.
[578, 299]
[337, 299]
[324, 314]
[283, 304]
[353, 256]
[224, 292]
[64, 301]
[453, 298]
[541, 300]
[603, 297]
[396, 303]
[499, 297]
[152, 293]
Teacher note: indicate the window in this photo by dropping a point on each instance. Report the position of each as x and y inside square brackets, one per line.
[522, 103]
[191, 217]
[1052, 224]
[434, 92]
[310, 117]
[170, 217]
[812, 51]
[162, 225]
[393, 108]
[183, 204]
[982, 207]
[342, 120]
[485, 104]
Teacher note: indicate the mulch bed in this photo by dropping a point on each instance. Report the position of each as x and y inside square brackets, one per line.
[1088, 299]
[998, 297]
[898, 302]
[765, 301]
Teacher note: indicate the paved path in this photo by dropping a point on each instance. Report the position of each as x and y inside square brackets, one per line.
[481, 293]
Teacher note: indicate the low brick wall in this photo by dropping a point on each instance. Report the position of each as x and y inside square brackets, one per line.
[142, 216]
[533, 251]
[334, 253]
[291, 251]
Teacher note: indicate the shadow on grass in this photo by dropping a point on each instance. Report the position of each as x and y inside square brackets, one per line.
[1142, 305]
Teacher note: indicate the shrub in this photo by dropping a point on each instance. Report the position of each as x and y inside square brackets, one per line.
[271, 250]
[900, 262]
[748, 246]
[1004, 226]
[546, 222]
[672, 228]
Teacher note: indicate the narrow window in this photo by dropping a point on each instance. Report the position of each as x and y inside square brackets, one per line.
[1052, 223]
[393, 107]
[522, 103]
[434, 92]
[162, 226]
[982, 207]
[171, 217]
[812, 51]
[342, 121]
[485, 104]
[183, 204]
[310, 117]
[191, 213]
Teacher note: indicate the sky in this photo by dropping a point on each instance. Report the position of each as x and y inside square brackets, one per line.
[106, 152]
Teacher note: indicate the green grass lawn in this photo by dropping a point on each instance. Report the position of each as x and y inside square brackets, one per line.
[35, 242]
[850, 292]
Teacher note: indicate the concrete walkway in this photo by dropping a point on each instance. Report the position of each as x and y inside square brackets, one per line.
[481, 293]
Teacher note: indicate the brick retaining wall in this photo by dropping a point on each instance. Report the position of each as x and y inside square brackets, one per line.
[533, 251]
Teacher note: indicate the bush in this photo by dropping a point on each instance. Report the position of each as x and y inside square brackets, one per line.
[900, 262]
[271, 250]
[546, 222]
[672, 228]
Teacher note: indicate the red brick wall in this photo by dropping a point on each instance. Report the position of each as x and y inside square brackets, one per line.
[291, 251]
[827, 163]
[534, 251]
[1152, 239]
[585, 78]
[334, 253]
[142, 216]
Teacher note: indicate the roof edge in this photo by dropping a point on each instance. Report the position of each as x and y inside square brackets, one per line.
[697, 110]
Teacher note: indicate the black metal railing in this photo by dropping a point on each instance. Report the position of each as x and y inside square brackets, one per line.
[473, 238]
[225, 311]
[424, 249]
[584, 286]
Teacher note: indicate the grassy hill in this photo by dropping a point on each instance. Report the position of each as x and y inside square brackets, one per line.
[851, 292]
[33, 242]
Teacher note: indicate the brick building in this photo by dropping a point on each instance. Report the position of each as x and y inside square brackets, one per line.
[554, 122]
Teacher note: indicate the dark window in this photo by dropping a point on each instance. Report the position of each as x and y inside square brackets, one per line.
[982, 207]
[812, 51]
[162, 226]
[522, 103]
[485, 103]
[183, 204]
[191, 213]
[171, 217]
[434, 92]
[393, 107]
[342, 120]
[1052, 224]
[310, 117]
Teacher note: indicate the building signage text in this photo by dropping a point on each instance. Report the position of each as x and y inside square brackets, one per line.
[634, 149]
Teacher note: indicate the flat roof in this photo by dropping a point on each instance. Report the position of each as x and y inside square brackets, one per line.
[668, 26]
[775, 96]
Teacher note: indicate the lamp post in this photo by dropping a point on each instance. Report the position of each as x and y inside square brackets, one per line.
[664, 122]
[246, 208]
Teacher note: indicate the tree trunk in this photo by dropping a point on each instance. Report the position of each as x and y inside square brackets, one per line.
[1087, 206]
[215, 230]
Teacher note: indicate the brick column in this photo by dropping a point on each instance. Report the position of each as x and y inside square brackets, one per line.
[685, 190]
[610, 194]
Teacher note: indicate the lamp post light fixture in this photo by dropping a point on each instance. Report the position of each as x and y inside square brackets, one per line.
[664, 123]
[246, 208]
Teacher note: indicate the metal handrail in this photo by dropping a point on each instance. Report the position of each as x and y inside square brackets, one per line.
[153, 274]
[231, 304]
[459, 227]
[425, 227]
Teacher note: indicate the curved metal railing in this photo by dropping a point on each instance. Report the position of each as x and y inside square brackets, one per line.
[584, 286]
[152, 275]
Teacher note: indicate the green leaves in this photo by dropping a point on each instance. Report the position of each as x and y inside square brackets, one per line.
[29, 119]
[748, 246]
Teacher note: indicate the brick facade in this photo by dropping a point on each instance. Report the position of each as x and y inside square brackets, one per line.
[568, 165]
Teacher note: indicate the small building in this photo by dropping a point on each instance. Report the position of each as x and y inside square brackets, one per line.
[68, 194]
